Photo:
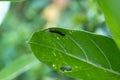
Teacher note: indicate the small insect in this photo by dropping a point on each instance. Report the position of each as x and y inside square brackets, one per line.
[56, 31]
[66, 68]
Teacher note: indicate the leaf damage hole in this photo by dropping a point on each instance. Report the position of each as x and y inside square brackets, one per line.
[56, 31]
[65, 68]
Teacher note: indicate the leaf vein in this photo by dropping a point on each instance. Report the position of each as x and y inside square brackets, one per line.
[74, 41]
[97, 46]
[68, 54]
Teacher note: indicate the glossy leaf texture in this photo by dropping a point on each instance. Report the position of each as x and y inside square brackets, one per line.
[77, 53]
[19, 66]
[111, 9]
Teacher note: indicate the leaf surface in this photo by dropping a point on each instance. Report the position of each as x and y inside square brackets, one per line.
[77, 53]
[111, 9]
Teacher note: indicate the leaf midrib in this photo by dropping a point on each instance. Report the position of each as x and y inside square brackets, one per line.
[68, 54]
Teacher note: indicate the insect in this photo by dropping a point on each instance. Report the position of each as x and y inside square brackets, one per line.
[66, 68]
[56, 31]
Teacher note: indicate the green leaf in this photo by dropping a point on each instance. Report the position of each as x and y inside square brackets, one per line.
[77, 53]
[18, 66]
[111, 9]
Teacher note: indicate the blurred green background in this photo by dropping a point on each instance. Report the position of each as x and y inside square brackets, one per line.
[25, 17]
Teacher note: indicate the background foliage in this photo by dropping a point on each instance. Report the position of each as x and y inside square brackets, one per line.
[26, 17]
